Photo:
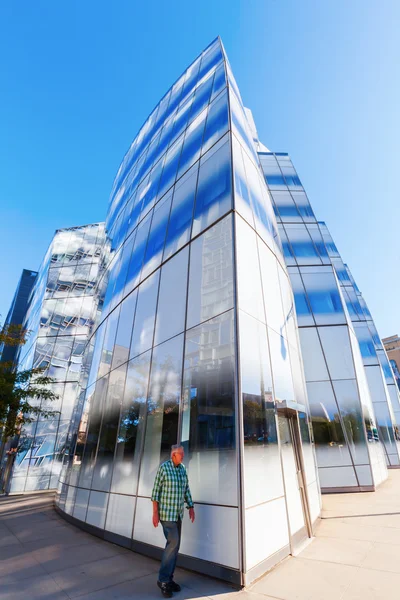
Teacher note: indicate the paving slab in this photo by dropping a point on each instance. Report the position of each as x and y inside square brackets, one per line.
[355, 555]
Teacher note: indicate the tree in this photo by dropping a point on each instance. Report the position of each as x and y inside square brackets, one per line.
[21, 392]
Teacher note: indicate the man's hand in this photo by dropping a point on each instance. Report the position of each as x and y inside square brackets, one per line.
[191, 514]
[156, 518]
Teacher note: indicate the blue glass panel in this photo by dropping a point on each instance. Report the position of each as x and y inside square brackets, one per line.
[158, 229]
[275, 180]
[293, 180]
[201, 97]
[180, 221]
[143, 330]
[303, 248]
[133, 213]
[112, 275]
[217, 122]
[324, 297]
[166, 138]
[152, 185]
[170, 167]
[122, 270]
[192, 144]
[210, 59]
[182, 117]
[192, 75]
[135, 265]
[288, 211]
[325, 301]
[350, 308]
[214, 190]
[342, 275]
[219, 81]
[367, 348]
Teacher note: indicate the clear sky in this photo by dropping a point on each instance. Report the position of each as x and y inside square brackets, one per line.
[78, 78]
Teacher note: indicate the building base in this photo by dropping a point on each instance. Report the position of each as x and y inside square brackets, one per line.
[232, 576]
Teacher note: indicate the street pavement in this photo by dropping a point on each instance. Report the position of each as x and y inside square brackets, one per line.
[355, 555]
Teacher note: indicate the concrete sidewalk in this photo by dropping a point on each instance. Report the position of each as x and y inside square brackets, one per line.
[355, 555]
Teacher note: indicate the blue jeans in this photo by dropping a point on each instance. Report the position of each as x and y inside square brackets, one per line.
[172, 532]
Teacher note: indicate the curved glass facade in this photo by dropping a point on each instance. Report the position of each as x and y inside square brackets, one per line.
[62, 311]
[196, 342]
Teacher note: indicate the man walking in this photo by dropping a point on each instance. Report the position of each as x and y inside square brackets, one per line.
[170, 492]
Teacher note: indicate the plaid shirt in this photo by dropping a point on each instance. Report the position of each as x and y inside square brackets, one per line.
[171, 490]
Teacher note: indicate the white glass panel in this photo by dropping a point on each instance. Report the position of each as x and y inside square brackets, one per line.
[248, 271]
[172, 297]
[120, 514]
[211, 274]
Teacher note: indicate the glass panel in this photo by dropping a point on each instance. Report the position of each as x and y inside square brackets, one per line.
[217, 122]
[180, 221]
[131, 428]
[330, 443]
[124, 331]
[158, 230]
[96, 411]
[262, 467]
[139, 248]
[281, 370]
[142, 338]
[243, 202]
[208, 421]
[314, 361]
[302, 245]
[162, 409]
[192, 145]
[271, 288]
[170, 167]
[349, 402]
[172, 297]
[324, 298]
[109, 340]
[211, 273]
[214, 191]
[248, 271]
[337, 350]
[109, 428]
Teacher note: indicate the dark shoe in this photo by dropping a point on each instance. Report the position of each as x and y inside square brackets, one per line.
[174, 587]
[165, 589]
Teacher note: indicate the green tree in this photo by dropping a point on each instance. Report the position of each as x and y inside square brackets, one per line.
[21, 392]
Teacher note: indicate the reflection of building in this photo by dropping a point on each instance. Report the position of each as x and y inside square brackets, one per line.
[17, 311]
[350, 392]
[196, 342]
[392, 347]
[61, 313]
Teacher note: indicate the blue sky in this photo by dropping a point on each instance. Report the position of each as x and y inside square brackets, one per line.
[77, 79]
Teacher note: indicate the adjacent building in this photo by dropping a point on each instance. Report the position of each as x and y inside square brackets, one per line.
[392, 347]
[17, 312]
[62, 310]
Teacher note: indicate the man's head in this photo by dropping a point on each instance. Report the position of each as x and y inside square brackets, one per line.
[177, 454]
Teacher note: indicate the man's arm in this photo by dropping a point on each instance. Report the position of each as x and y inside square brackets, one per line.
[189, 501]
[155, 496]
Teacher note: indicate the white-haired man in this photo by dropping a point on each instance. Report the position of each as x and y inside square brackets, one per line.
[170, 492]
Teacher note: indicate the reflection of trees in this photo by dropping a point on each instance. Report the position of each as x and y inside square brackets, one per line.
[331, 432]
[259, 419]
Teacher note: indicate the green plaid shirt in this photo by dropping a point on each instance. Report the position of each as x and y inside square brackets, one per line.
[171, 490]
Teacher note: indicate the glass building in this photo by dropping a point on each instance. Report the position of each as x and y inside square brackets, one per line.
[17, 312]
[380, 376]
[348, 399]
[197, 343]
[61, 313]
